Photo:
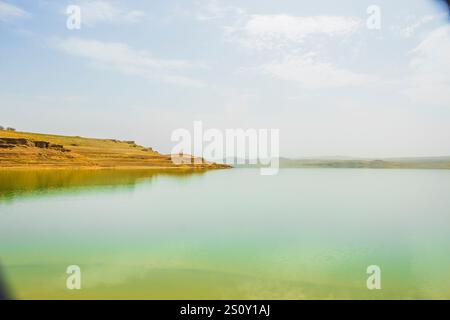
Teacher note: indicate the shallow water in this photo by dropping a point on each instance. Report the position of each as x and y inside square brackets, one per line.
[226, 234]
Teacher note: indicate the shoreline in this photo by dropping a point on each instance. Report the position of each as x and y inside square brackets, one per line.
[37, 151]
[24, 168]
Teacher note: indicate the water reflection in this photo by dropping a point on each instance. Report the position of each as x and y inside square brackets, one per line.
[20, 183]
[4, 289]
[227, 234]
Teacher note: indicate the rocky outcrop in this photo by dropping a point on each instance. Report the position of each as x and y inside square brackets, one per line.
[7, 143]
[58, 147]
[13, 142]
[41, 144]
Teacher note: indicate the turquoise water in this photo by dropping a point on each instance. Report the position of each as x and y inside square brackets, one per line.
[227, 234]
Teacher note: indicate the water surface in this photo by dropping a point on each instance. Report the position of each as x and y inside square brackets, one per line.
[226, 234]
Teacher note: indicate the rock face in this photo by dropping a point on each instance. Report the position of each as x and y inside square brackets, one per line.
[41, 144]
[12, 142]
[7, 143]
[59, 147]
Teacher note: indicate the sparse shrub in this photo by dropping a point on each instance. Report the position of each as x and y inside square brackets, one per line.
[10, 129]
[2, 128]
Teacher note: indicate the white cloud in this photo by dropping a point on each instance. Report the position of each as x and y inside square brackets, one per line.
[100, 11]
[214, 9]
[434, 48]
[9, 12]
[429, 81]
[312, 74]
[280, 30]
[281, 34]
[120, 57]
[411, 29]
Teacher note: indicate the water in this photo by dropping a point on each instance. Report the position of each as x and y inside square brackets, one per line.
[227, 234]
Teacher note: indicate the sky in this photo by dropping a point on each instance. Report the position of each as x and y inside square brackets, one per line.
[332, 83]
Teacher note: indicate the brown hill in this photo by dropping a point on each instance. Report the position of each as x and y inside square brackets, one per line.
[30, 150]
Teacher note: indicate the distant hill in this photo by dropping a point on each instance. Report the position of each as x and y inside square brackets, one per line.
[344, 162]
[30, 150]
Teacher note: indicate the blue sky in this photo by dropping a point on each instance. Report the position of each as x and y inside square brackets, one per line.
[137, 70]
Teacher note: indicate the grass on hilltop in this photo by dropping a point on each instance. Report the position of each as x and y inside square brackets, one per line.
[20, 150]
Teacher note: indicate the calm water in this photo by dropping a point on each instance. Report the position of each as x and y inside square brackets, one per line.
[305, 233]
